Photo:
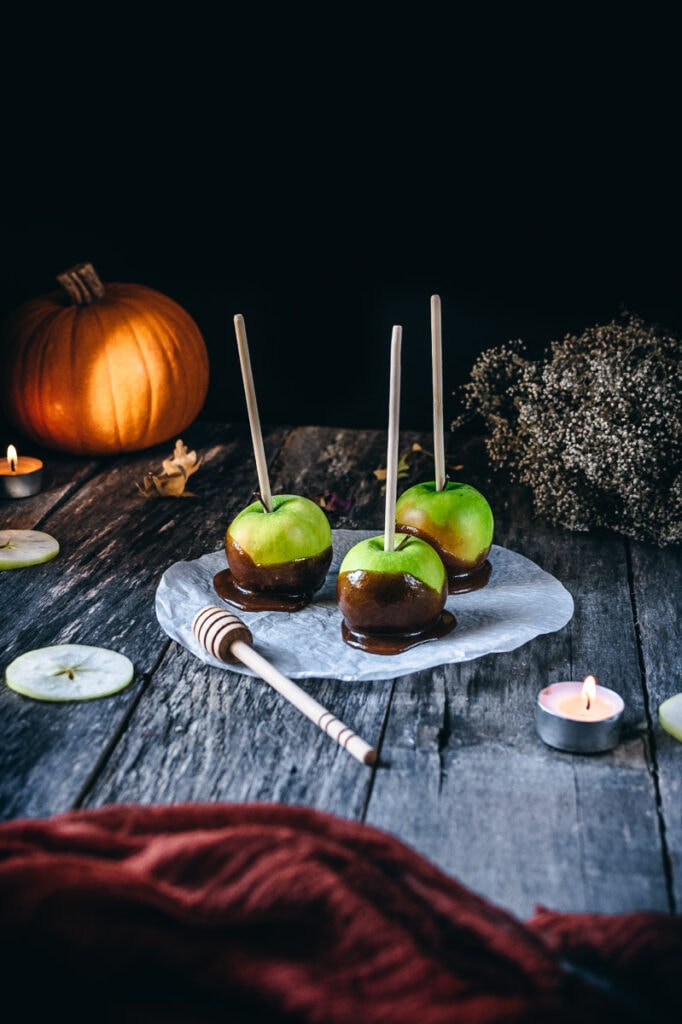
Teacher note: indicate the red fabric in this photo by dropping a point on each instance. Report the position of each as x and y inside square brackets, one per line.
[270, 913]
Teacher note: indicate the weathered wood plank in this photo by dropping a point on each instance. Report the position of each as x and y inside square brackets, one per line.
[473, 787]
[464, 778]
[62, 477]
[657, 593]
[199, 733]
[264, 749]
[100, 590]
[319, 460]
[515, 821]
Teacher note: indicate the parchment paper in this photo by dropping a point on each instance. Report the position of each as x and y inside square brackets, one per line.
[520, 602]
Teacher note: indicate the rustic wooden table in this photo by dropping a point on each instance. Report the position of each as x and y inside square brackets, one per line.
[463, 776]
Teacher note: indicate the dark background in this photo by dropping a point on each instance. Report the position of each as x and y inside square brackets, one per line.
[325, 177]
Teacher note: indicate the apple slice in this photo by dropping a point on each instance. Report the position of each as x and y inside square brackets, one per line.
[670, 715]
[19, 548]
[69, 672]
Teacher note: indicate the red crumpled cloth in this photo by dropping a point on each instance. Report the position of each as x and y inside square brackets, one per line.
[272, 913]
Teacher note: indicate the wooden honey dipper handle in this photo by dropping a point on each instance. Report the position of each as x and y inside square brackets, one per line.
[228, 639]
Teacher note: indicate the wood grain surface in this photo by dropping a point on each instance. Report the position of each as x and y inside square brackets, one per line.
[462, 777]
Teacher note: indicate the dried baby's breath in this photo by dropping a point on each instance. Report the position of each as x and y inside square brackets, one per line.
[594, 429]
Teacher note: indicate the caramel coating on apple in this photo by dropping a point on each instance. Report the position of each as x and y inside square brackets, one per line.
[455, 565]
[388, 604]
[302, 575]
[463, 574]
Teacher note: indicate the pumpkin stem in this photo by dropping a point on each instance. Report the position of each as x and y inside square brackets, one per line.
[82, 283]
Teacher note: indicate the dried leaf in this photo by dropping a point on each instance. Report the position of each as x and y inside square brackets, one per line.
[176, 471]
[330, 501]
[404, 464]
[403, 467]
[416, 447]
[146, 488]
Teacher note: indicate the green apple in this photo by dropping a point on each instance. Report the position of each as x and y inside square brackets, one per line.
[69, 672]
[400, 592]
[409, 555]
[19, 548]
[288, 549]
[457, 521]
[670, 715]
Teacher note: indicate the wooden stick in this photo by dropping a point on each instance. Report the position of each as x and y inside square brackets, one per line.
[252, 407]
[393, 432]
[437, 377]
[229, 639]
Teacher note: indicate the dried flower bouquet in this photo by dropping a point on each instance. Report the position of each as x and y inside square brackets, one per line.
[594, 429]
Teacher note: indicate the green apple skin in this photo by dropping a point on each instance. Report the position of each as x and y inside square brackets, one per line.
[409, 555]
[402, 591]
[288, 549]
[457, 521]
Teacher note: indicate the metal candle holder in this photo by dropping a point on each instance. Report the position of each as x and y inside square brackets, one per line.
[25, 481]
[574, 734]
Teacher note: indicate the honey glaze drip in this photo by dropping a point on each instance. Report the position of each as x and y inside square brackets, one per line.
[463, 583]
[396, 644]
[258, 601]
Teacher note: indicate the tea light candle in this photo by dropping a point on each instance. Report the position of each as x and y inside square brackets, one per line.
[580, 717]
[20, 476]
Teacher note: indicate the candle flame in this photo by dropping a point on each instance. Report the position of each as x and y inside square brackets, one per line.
[589, 690]
[12, 458]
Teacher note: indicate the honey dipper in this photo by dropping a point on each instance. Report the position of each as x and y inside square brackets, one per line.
[228, 639]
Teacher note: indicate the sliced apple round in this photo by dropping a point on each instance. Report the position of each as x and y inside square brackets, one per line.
[69, 672]
[670, 715]
[19, 548]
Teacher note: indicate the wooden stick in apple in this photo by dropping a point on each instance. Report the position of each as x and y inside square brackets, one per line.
[393, 439]
[437, 378]
[279, 548]
[392, 597]
[453, 517]
[252, 408]
[229, 639]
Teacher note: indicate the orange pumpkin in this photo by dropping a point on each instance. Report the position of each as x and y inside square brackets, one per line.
[97, 370]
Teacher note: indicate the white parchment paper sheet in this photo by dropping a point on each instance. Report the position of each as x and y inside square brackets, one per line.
[520, 602]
